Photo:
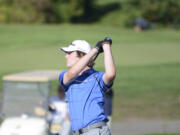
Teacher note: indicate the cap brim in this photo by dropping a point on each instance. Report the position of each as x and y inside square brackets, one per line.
[66, 49]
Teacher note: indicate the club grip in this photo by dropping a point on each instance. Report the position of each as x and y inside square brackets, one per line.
[108, 39]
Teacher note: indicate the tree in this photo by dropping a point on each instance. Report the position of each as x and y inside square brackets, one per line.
[166, 12]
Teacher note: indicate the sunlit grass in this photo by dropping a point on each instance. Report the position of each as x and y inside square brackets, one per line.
[148, 69]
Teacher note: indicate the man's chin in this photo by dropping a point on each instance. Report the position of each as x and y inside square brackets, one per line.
[68, 66]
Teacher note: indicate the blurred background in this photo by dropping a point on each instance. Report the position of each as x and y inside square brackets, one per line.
[146, 49]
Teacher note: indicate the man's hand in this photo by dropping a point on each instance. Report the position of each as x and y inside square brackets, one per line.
[107, 40]
[99, 46]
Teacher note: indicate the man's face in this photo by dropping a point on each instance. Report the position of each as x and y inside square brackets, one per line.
[71, 59]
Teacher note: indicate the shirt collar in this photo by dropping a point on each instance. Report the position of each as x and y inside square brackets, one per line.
[89, 71]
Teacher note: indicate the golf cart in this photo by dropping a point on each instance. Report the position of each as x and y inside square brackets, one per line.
[24, 103]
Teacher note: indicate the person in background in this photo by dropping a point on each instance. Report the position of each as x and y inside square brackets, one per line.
[108, 104]
[59, 113]
[141, 24]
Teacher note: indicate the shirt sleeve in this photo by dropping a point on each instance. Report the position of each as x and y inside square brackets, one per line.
[102, 84]
[65, 87]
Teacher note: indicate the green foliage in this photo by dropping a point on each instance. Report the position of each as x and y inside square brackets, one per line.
[20, 11]
[160, 12]
[63, 10]
[166, 12]
[163, 12]
[67, 10]
[33, 11]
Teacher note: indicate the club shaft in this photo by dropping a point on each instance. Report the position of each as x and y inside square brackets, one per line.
[95, 56]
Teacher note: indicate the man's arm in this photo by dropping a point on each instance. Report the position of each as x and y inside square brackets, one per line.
[110, 71]
[79, 66]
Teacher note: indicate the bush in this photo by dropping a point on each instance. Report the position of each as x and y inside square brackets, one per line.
[52, 11]
[166, 12]
[70, 10]
[20, 11]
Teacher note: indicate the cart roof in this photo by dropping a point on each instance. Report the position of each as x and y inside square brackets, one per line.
[34, 76]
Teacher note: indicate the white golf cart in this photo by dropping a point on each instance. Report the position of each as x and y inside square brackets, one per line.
[24, 95]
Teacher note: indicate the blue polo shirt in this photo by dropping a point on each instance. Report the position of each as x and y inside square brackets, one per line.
[85, 95]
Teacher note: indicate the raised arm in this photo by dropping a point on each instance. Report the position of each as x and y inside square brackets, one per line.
[79, 66]
[110, 71]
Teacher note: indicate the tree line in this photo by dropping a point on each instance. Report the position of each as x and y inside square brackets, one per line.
[164, 12]
[43, 11]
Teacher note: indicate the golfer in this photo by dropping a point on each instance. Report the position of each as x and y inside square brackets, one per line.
[85, 87]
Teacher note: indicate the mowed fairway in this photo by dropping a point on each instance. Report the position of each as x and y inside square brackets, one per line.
[148, 63]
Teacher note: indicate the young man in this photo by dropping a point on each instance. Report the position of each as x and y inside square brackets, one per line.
[85, 87]
[59, 114]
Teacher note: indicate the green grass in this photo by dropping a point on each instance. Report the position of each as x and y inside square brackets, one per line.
[161, 134]
[157, 134]
[148, 63]
[165, 134]
[147, 92]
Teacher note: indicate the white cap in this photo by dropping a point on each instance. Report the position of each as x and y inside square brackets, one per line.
[77, 45]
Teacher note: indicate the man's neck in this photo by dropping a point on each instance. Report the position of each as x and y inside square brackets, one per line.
[85, 69]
